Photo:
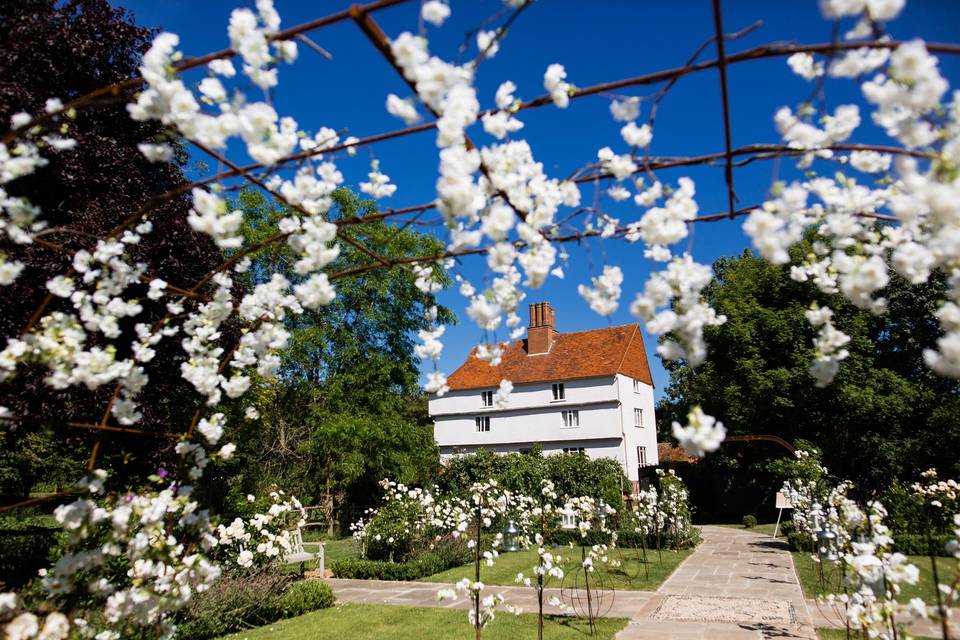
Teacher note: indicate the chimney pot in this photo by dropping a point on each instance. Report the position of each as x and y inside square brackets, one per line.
[541, 331]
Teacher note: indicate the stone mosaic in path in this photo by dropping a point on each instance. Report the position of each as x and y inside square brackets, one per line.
[747, 610]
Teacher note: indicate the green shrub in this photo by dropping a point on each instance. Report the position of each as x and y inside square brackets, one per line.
[26, 544]
[425, 564]
[454, 551]
[749, 522]
[234, 603]
[389, 536]
[800, 541]
[305, 596]
[574, 475]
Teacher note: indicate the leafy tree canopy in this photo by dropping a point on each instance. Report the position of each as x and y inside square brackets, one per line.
[885, 415]
[347, 409]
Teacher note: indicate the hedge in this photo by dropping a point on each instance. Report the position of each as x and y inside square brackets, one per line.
[423, 565]
[25, 547]
[916, 544]
[626, 538]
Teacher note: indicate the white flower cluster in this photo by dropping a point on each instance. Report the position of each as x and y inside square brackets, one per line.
[604, 296]
[167, 98]
[379, 185]
[851, 256]
[702, 434]
[828, 344]
[163, 536]
[263, 538]
[671, 304]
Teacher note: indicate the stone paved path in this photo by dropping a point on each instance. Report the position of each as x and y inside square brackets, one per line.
[735, 585]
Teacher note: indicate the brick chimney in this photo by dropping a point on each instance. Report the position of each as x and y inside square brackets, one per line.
[541, 332]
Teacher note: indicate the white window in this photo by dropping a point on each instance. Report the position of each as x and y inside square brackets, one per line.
[571, 419]
[487, 397]
[636, 386]
[638, 417]
[568, 520]
[558, 392]
[574, 450]
[482, 423]
[642, 456]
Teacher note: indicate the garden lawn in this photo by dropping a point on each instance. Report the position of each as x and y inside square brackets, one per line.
[841, 634]
[807, 572]
[375, 622]
[765, 529]
[630, 576]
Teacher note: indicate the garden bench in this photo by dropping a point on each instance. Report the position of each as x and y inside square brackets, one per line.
[299, 554]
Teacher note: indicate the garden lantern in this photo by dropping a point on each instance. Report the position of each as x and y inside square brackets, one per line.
[827, 546]
[511, 535]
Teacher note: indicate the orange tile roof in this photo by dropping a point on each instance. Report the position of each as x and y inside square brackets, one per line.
[582, 354]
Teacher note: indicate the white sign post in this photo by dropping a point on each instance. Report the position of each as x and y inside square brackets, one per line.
[782, 502]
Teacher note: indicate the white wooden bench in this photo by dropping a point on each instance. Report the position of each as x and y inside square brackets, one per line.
[299, 554]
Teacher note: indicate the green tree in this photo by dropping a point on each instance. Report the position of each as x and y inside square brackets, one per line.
[347, 409]
[885, 415]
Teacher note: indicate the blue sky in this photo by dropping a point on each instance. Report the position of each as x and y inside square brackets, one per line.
[596, 41]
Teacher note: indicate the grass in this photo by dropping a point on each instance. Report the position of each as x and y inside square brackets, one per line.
[765, 529]
[375, 622]
[809, 578]
[630, 576]
[841, 634]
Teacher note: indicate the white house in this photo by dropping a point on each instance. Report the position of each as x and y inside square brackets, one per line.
[587, 391]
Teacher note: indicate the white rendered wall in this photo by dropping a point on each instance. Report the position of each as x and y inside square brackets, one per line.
[535, 394]
[605, 407]
[541, 424]
[645, 436]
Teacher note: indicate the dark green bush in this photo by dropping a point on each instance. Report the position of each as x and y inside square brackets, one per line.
[305, 596]
[800, 541]
[425, 564]
[454, 551]
[25, 547]
[749, 522]
[574, 475]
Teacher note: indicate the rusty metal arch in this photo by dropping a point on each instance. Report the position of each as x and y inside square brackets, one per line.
[764, 438]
